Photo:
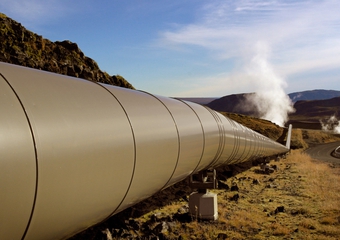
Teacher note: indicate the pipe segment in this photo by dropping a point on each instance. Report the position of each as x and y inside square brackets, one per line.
[75, 152]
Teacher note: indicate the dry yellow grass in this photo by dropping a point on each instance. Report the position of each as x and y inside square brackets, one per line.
[298, 139]
[308, 192]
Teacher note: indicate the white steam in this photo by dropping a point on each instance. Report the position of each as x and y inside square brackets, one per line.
[270, 101]
[331, 125]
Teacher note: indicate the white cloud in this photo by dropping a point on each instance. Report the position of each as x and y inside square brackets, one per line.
[36, 12]
[303, 35]
[271, 40]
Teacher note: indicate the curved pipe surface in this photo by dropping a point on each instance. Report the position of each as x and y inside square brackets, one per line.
[74, 152]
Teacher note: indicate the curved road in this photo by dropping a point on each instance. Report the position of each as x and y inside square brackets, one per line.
[323, 152]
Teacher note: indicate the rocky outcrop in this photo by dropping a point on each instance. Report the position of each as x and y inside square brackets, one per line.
[22, 47]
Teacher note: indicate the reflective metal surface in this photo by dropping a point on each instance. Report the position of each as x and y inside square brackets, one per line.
[74, 152]
[17, 165]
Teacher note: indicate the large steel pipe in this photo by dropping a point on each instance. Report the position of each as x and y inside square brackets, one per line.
[74, 152]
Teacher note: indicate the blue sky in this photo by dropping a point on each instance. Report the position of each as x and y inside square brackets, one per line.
[196, 48]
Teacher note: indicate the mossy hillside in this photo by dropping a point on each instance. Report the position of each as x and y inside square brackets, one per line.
[22, 47]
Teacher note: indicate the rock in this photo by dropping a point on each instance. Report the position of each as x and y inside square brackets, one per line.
[266, 168]
[263, 166]
[183, 209]
[222, 236]
[275, 167]
[161, 228]
[156, 217]
[108, 234]
[182, 217]
[256, 181]
[235, 197]
[132, 223]
[153, 237]
[172, 226]
[234, 187]
[269, 170]
[279, 209]
[222, 185]
[126, 234]
[117, 232]
[69, 45]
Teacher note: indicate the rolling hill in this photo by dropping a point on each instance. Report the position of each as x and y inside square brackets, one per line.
[308, 113]
[319, 94]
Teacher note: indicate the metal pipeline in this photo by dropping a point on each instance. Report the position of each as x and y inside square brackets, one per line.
[75, 152]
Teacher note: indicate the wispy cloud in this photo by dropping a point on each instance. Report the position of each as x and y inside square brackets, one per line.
[36, 12]
[302, 35]
[271, 40]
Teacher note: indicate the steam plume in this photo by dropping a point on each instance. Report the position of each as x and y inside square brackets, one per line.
[270, 101]
[331, 125]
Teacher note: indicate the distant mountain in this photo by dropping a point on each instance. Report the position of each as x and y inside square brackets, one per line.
[22, 47]
[318, 94]
[235, 103]
[317, 108]
[199, 100]
[232, 103]
[309, 113]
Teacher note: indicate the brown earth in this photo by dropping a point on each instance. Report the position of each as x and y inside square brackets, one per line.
[299, 200]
